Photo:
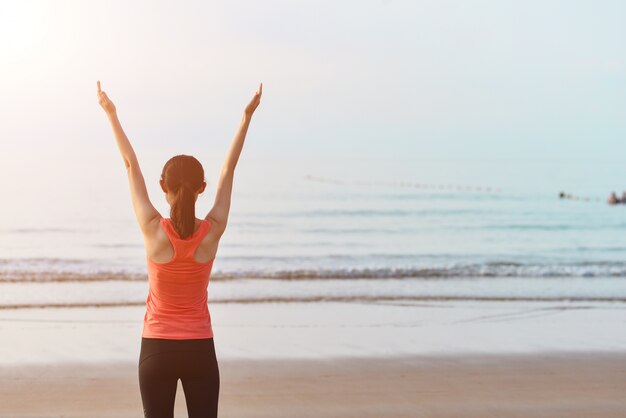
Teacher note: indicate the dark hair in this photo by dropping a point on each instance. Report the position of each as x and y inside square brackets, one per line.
[183, 175]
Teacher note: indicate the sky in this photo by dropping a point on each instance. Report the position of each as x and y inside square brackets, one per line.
[342, 80]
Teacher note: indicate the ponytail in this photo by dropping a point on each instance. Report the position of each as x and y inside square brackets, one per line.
[183, 212]
[183, 175]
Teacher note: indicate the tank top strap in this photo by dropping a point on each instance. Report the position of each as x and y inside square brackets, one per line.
[185, 248]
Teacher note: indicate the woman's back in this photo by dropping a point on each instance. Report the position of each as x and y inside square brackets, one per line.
[176, 307]
[177, 339]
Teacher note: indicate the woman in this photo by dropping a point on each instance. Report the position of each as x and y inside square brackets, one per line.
[177, 337]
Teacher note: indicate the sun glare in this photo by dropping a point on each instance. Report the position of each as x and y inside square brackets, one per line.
[22, 29]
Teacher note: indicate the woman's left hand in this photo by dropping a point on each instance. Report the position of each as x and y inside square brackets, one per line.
[251, 107]
[105, 102]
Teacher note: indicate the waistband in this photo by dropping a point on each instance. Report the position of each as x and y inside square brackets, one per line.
[152, 346]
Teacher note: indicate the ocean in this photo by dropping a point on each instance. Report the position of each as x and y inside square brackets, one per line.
[320, 229]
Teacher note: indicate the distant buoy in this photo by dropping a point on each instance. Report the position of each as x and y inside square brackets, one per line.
[449, 186]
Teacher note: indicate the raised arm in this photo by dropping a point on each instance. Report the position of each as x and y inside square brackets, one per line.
[144, 210]
[218, 214]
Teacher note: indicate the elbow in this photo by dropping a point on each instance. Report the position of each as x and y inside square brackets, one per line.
[130, 163]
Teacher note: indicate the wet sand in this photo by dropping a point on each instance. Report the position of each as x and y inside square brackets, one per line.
[436, 359]
[538, 385]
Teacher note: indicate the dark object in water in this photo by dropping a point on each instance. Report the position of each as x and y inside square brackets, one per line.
[613, 200]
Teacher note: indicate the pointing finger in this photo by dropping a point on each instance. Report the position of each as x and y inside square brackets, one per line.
[260, 88]
[99, 86]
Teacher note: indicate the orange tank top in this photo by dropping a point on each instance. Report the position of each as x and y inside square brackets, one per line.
[176, 307]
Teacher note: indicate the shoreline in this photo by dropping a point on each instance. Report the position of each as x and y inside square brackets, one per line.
[558, 384]
[326, 299]
[116, 293]
[318, 330]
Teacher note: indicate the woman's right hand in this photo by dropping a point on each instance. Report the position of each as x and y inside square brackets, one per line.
[105, 102]
[251, 107]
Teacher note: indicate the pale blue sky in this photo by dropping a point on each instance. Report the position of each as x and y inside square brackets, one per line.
[347, 79]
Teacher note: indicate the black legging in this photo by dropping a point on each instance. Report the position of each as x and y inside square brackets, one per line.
[162, 362]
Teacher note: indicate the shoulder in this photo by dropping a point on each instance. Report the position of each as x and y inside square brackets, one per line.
[215, 227]
[152, 227]
[213, 233]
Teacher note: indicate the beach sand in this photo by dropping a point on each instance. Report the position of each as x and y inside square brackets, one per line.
[375, 359]
[548, 385]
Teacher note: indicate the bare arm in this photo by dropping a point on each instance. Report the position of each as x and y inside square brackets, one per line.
[144, 210]
[221, 207]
